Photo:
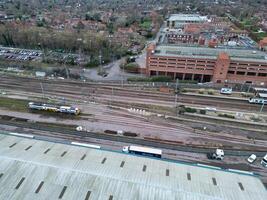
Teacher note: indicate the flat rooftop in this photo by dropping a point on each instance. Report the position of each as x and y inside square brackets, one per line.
[34, 169]
[211, 53]
[187, 17]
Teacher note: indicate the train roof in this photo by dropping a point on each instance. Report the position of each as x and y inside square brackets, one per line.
[263, 95]
[66, 107]
[146, 149]
[260, 89]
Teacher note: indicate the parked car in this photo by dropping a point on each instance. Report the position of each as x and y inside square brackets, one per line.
[252, 158]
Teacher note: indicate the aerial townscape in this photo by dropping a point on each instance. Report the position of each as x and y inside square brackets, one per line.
[133, 99]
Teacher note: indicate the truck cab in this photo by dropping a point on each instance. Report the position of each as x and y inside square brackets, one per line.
[264, 161]
[125, 149]
[217, 155]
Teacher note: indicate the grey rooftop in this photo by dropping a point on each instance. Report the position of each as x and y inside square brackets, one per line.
[34, 169]
[211, 53]
[186, 17]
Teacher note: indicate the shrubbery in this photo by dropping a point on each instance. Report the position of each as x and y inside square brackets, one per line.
[161, 79]
[151, 79]
[203, 112]
[130, 67]
[226, 115]
[201, 91]
[211, 92]
[190, 110]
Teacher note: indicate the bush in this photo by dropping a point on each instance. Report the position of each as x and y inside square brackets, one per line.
[226, 115]
[93, 63]
[211, 92]
[190, 110]
[152, 79]
[202, 112]
[184, 90]
[201, 91]
[131, 67]
[181, 109]
[161, 79]
[138, 79]
[247, 95]
[255, 119]
[188, 81]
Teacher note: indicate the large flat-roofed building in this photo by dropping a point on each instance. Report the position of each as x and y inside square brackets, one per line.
[33, 169]
[203, 64]
[179, 20]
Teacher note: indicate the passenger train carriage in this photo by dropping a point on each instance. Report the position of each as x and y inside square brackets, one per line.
[54, 108]
[260, 96]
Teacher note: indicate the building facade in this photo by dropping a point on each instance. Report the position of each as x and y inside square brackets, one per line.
[180, 20]
[207, 64]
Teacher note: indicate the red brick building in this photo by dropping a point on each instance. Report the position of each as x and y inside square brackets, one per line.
[263, 44]
[207, 64]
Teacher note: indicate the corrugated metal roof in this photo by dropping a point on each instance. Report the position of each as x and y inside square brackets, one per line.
[41, 172]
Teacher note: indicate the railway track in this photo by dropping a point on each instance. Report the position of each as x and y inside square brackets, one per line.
[72, 135]
[85, 90]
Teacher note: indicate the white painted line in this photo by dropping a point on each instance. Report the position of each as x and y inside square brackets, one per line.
[240, 171]
[86, 145]
[22, 135]
[209, 166]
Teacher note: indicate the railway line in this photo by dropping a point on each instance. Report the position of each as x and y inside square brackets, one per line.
[96, 90]
[72, 135]
[81, 91]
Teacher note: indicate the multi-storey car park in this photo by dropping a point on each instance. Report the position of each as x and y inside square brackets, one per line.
[35, 169]
[203, 64]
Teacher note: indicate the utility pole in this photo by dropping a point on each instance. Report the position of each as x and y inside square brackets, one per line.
[262, 106]
[112, 93]
[249, 87]
[122, 75]
[176, 92]
[100, 62]
[66, 69]
[42, 90]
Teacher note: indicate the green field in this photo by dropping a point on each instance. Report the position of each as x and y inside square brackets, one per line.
[146, 24]
[14, 104]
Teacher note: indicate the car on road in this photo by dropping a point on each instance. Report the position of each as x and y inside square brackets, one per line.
[226, 91]
[252, 158]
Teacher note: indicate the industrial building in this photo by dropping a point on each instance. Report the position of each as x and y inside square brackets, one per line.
[179, 20]
[35, 169]
[203, 64]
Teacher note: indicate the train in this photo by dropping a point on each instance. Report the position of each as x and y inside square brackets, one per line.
[256, 100]
[54, 108]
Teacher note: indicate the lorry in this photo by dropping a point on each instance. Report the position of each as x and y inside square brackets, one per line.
[145, 151]
[217, 155]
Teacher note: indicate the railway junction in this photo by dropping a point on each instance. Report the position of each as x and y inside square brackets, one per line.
[107, 121]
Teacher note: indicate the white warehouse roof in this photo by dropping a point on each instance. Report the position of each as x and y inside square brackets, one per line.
[33, 169]
[187, 17]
